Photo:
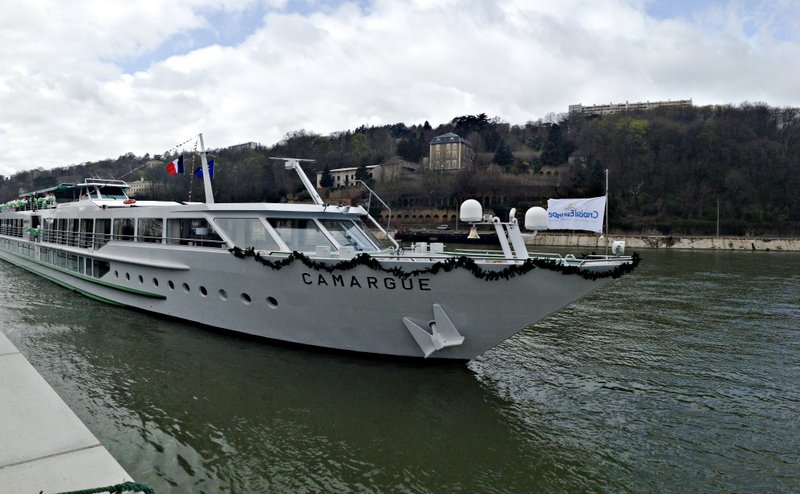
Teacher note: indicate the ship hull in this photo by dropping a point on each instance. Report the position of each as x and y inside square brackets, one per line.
[363, 309]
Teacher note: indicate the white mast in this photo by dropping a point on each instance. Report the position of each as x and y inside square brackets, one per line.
[206, 175]
[606, 211]
[294, 164]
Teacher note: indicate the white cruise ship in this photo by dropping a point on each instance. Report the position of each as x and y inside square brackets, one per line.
[313, 274]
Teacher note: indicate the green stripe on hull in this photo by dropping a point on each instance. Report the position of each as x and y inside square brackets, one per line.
[84, 278]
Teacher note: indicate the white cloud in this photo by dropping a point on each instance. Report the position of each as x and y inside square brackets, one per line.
[66, 95]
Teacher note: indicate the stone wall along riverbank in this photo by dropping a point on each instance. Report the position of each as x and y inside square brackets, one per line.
[667, 242]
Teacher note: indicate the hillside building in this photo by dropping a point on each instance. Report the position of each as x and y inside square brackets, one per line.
[450, 152]
[612, 108]
[142, 187]
[389, 171]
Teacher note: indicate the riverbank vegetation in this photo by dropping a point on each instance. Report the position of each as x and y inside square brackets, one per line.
[672, 170]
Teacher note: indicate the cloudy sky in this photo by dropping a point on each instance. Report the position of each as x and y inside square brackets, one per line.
[84, 80]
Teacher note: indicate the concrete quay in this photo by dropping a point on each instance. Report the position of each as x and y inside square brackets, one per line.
[44, 447]
[664, 242]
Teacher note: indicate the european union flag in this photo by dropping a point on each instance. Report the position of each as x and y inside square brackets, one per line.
[198, 172]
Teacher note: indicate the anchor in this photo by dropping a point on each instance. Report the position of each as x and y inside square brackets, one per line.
[443, 332]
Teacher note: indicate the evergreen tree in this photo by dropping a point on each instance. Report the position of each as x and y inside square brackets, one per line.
[504, 156]
[554, 149]
[410, 149]
[326, 180]
[362, 173]
[550, 156]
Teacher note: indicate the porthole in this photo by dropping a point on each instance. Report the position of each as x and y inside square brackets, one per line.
[141, 279]
[203, 291]
[171, 285]
[185, 287]
[246, 299]
[155, 281]
[272, 302]
[116, 274]
[128, 276]
[223, 295]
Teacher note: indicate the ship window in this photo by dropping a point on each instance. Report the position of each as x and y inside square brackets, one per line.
[171, 284]
[203, 291]
[246, 299]
[272, 302]
[47, 230]
[85, 233]
[102, 232]
[72, 262]
[74, 228]
[100, 268]
[150, 230]
[123, 228]
[192, 231]
[155, 281]
[346, 233]
[61, 231]
[61, 259]
[247, 232]
[185, 287]
[299, 234]
[111, 192]
[375, 235]
[223, 295]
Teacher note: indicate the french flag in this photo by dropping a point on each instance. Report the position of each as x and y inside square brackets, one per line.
[175, 166]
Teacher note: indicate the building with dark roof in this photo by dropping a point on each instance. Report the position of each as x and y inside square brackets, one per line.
[450, 152]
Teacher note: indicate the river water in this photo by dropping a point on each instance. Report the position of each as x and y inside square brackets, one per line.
[683, 376]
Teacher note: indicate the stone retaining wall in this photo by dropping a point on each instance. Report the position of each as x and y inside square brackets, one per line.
[668, 242]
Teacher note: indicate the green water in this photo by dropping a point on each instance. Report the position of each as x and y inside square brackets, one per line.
[682, 377]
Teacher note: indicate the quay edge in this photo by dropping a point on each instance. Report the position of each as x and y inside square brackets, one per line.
[667, 242]
[46, 447]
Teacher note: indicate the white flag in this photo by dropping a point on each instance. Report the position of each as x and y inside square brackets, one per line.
[576, 214]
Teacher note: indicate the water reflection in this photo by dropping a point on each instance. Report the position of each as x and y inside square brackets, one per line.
[187, 409]
[679, 375]
[682, 375]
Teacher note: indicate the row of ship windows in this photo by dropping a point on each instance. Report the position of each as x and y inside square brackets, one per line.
[221, 293]
[300, 234]
[84, 265]
[96, 268]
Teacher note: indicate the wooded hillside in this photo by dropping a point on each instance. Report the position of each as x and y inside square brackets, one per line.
[669, 168]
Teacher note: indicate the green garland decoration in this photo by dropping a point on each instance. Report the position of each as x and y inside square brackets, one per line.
[116, 489]
[446, 266]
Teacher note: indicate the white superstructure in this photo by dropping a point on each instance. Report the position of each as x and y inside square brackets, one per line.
[313, 274]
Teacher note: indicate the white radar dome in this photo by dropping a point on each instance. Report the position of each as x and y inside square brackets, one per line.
[536, 218]
[471, 211]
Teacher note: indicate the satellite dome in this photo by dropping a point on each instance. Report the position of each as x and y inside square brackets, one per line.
[536, 218]
[471, 211]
